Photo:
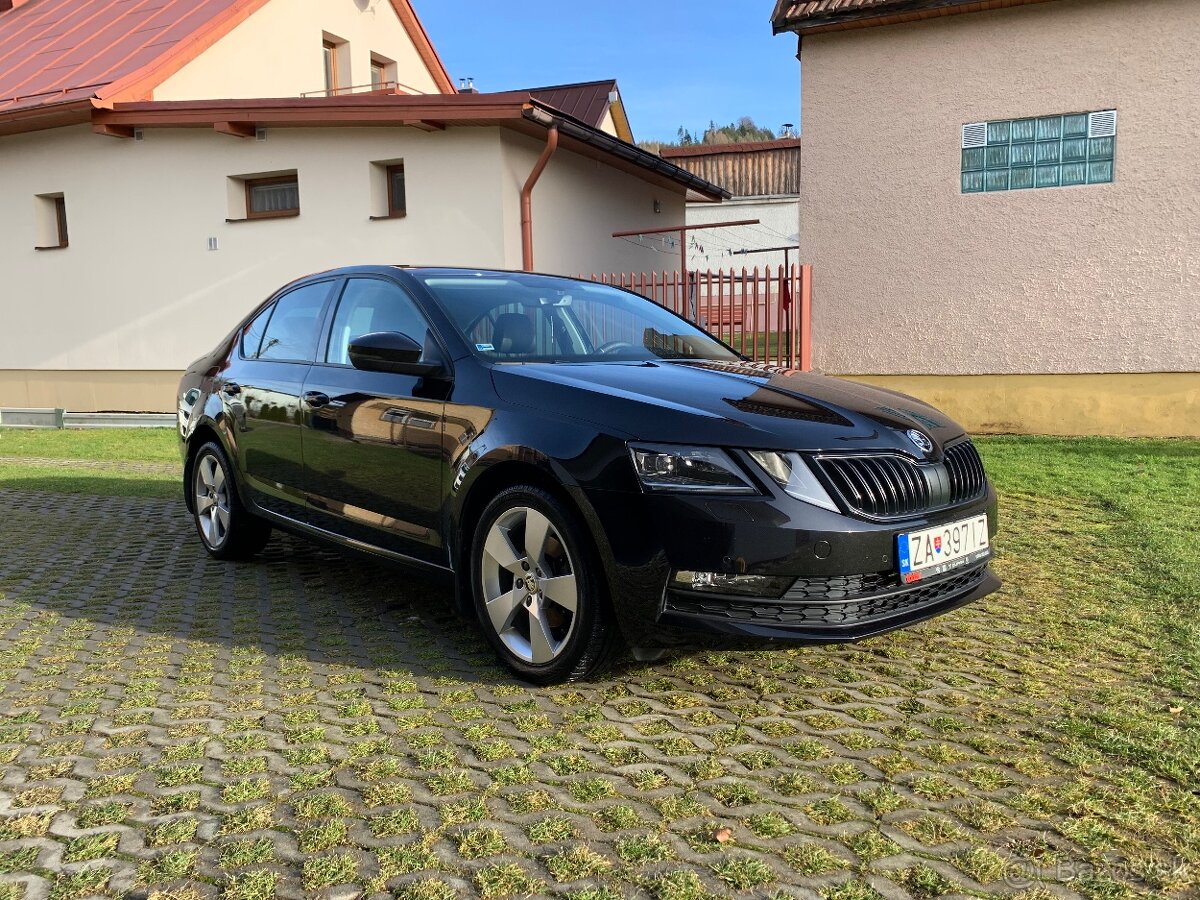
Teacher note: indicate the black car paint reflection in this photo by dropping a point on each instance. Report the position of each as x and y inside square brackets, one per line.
[402, 464]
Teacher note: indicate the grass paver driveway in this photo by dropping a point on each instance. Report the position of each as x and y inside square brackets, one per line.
[309, 724]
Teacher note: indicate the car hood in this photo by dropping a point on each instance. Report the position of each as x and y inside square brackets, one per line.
[727, 404]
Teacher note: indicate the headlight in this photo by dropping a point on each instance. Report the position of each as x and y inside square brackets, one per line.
[794, 476]
[699, 469]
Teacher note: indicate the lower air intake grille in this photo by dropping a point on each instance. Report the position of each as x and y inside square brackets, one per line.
[829, 612]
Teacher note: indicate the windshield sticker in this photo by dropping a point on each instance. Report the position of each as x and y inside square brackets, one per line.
[485, 348]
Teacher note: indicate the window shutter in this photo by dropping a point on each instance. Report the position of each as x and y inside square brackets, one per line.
[1102, 124]
[974, 134]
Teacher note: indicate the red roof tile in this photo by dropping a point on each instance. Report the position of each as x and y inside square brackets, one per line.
[805, 16]
[587, 102]
[57, 51]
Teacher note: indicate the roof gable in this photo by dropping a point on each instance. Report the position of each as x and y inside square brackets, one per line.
[62, 51]
[588, 102]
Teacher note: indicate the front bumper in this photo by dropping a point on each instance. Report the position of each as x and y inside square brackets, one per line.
[820, 619]
[847, 585]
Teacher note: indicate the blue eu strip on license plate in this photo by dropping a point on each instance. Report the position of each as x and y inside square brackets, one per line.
[903, 554]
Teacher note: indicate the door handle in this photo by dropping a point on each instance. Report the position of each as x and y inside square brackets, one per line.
[232, 388]
[316, 399]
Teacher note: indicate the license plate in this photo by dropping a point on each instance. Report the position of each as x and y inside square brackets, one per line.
[933, 551]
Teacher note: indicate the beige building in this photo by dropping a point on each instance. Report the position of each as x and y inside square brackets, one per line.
[163, 170]
[1001, 202]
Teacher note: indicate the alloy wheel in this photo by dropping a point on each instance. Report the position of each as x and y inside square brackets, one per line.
[211, 490]
[529, 585]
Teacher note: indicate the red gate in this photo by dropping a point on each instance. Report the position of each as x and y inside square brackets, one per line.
[765, 315]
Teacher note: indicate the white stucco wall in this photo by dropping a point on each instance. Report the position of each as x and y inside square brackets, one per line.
[577, 204]
[138, 288]
[779, 221]
[912, 276]
[277, 52]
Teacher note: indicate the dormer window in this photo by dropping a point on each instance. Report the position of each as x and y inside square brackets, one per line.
[331, 61]
[336, 58]
[383, 72]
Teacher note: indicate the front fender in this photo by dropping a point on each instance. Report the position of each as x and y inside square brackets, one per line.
[574, 456]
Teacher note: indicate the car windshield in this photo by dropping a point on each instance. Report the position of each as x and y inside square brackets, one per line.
[511, 317]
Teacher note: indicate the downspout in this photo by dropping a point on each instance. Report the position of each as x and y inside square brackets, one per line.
[527, 198]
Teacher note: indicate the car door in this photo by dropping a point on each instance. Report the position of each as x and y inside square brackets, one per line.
[261, 393]
[373, 440]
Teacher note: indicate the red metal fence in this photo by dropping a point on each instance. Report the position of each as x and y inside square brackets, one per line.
[764, 315]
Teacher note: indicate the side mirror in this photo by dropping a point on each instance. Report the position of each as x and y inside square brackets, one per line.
[389, 351]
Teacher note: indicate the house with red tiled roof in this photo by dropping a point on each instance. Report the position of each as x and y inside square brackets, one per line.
[999, 201]
[165, 164]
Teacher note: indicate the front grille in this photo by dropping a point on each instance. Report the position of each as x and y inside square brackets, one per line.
[965, 468]
[830, 611]
[891, 486]
[884, 487]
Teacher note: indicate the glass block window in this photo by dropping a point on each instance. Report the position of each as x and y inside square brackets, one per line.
[1046, 151]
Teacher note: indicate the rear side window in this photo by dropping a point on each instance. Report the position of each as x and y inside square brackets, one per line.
[291, 332]
[252, 336]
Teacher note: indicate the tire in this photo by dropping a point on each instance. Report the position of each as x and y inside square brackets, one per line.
[531, 560]
[226, 529]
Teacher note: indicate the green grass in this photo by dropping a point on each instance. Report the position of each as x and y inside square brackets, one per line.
[764, 346]
[131, 444]
[1131, 505]
[110, 447]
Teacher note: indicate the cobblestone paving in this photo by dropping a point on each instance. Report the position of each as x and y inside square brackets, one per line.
[312, 725]
[149, 468]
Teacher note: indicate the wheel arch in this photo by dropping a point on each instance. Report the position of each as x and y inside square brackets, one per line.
[204, 431]
[490, 481]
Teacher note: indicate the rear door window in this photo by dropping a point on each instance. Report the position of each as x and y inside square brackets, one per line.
[291, 332]
[252, 336]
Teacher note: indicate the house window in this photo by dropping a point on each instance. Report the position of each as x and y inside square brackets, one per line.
[395, 183]
[1048, 151]
[51, 221]
[330, 50]
[388, 200]
[273, 197]
[383, 72]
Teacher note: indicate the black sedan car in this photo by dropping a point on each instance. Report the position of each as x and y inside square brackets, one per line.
[584, 464]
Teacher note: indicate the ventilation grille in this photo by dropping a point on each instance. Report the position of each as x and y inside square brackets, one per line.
[890, 486]
[965, 468]
[1102, 124]
[847, 613]
[974, 134]
[884, 487]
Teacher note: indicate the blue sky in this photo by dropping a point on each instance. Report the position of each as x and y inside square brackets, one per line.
[678, 63]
